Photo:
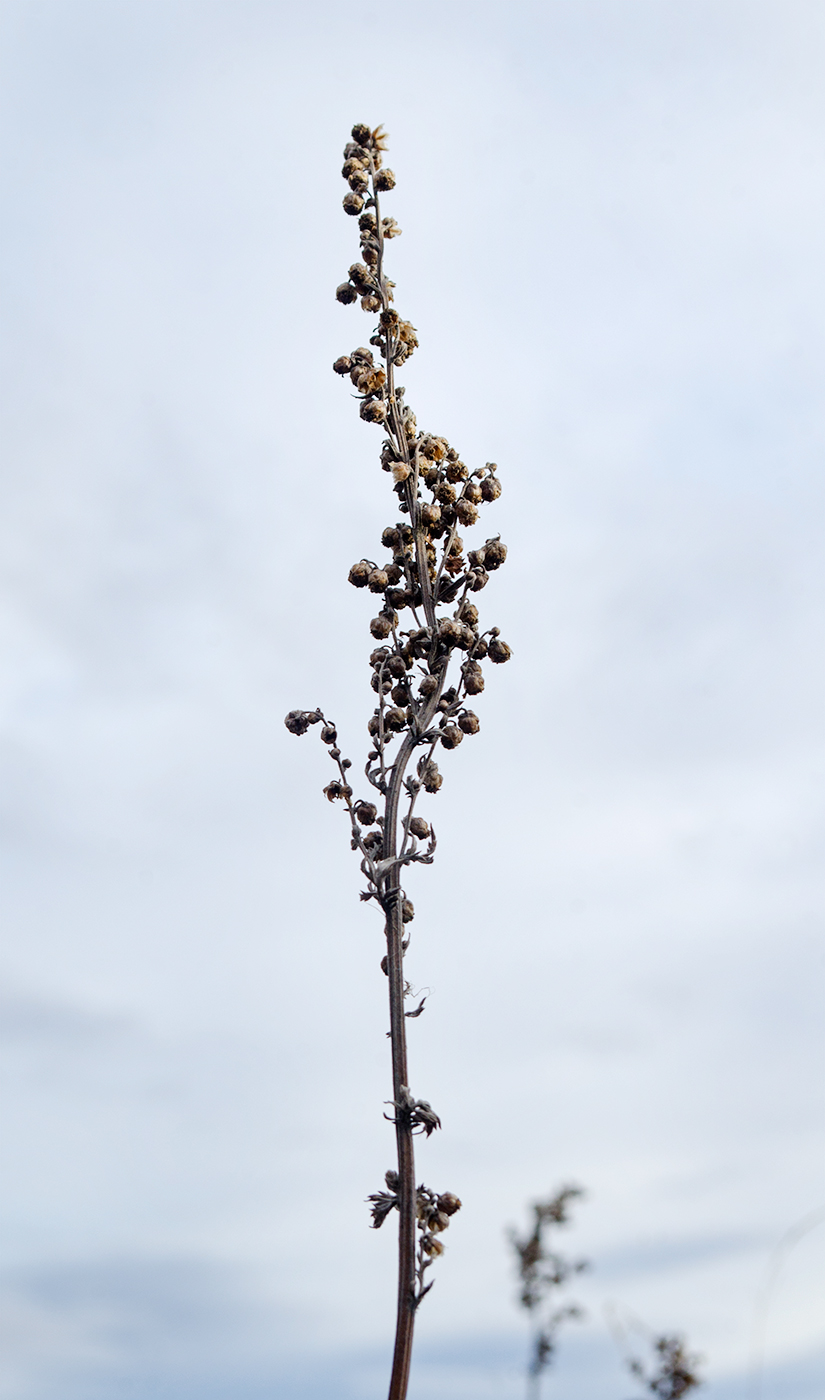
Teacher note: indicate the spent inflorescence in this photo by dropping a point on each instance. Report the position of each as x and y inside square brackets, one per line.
[426, 665]
[543, 1271]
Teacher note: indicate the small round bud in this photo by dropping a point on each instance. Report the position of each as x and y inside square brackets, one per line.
[385, 180]
[353, 203]
[380, 627]
[466, 511]
[359, 574]
[495, 554]
[361, 134]
[366, 812]
[297, 722]
[473, 678]
[329, 734]
[429, 775]
[498, 651]
[451, 736]
[377, 580]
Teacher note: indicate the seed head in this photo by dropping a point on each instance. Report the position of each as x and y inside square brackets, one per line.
[469, 722]
[385, 180]
[362, 134]
[420, 828]
[366, 812]
[451, 737]
[353, 203]
[498, 651]
[359, 574]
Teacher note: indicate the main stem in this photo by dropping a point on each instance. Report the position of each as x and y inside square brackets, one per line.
[402, 1355]
[405, 1320]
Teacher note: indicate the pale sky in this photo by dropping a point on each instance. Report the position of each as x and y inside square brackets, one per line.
[614, 217]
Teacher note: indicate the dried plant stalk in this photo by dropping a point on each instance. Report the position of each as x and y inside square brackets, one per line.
[427, 581]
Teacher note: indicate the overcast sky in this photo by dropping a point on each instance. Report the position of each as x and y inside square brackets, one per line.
[614, 217]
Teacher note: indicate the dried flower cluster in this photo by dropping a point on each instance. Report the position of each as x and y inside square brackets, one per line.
[675, 1370]
[427, 665]
[542, 1271]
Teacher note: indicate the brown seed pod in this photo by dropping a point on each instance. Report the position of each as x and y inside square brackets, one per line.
[445, 493]
[451, 736]
[366, 812]
[350, 166]
[480, 649]
[400, 471]
[468, 612]
[466, 511]
[407, 911]
[449, 632]
[495, 554]
[431, 1246]
[359, 181]
[390, 228]
[430, 513]
[362, 134]
[373, 726]
[394, 573]
[335, 789]
[390, 538]
[498, 651]
[456, 471]
[368, 222]
[342, 365]
[395, 719]
[378, 656]
[396, 667]
[353, 203]
[361, 278]
[370, 302]
[469, 722]
[449, 1203]
[385, 180]
[346, 294]
[297, 722]
[362, 356]
[473, 678]
[420, 828]
[389, 318]
[401, 693]
[491, 488]
[359, 574]
[377, 580]
[329, 734]
[428, 686]
[380, 627]
[379, 685]
[373, 411]
[430, 777]
[480, 579]
[472, 492]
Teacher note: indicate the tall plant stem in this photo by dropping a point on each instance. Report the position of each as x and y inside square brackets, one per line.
[402, 1355]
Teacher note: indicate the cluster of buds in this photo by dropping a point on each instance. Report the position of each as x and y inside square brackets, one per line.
[433, 1212]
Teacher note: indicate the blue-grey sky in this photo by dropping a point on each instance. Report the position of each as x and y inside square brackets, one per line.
[614, 216]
